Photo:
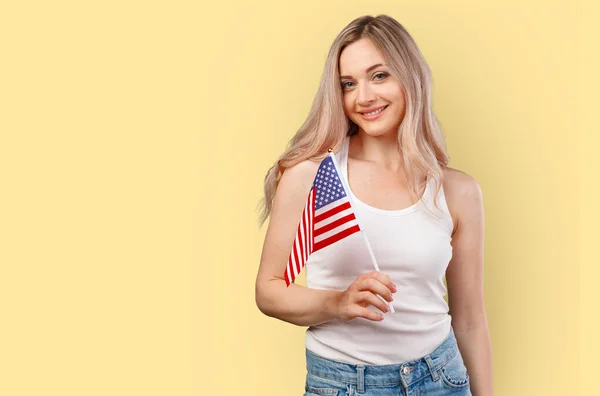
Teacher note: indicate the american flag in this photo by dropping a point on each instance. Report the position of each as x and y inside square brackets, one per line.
[327, 218]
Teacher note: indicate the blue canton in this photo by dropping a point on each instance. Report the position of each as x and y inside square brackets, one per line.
[329, 188]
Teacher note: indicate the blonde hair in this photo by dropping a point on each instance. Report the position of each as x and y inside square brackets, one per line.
[419, 135]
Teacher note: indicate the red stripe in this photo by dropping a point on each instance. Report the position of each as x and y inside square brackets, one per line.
[334, 238]
[311, 213]
[305, 240]
[296, 257]
[300, 247]
[302, 244]
[312, 222]
[333, 211]
[334, 224]
[288, 275]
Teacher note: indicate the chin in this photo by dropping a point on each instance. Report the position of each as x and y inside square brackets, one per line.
[379, 132]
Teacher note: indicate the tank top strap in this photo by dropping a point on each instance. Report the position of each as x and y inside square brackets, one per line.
[342, 156]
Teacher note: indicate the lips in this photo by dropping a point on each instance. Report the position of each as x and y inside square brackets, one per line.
[374, 113]
[373, 109]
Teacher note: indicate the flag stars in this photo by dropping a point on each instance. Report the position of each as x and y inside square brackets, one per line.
[328, 186]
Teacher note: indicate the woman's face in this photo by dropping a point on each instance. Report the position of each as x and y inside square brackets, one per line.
[368, 87]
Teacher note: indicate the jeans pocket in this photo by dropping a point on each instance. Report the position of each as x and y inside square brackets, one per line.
[321, 391]
[323, 386]
[454, 373]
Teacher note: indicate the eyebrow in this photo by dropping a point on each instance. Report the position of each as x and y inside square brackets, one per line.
[366, 71]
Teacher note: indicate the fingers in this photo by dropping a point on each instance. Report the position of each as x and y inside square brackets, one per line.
[371, 299]
[366, 313]
[385, 279]
[375, 285]
[373, 288]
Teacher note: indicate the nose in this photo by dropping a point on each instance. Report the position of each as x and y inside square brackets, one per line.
[366, 95]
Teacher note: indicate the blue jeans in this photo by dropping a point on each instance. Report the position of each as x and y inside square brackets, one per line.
[440, 373]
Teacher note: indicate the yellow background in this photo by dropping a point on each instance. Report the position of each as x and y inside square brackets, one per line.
[134, 141]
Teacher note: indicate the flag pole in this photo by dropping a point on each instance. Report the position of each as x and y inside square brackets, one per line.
[349, 193]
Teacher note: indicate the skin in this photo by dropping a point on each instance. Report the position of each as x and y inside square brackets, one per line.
[377, 177]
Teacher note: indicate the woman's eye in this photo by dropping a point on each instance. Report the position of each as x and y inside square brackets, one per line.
[378, 76]
[382, 75]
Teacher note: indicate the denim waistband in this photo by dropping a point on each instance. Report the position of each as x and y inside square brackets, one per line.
[391, 374]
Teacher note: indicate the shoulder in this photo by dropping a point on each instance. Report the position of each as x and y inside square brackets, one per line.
[293, 187]
[288, 204]
[463, 193]
[457, 181]
[299, 176]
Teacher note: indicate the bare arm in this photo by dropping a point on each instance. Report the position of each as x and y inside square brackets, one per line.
[465, 281]
[297, 304]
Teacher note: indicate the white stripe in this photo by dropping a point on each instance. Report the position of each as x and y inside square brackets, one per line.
[332, 205]
[293, 261]
[291, 269]
[307, 223]
[336, 230]
[296, 272]
[333, 218]
[310, 225]
[302, 252]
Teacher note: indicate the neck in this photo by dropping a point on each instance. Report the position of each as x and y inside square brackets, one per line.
[382, 150]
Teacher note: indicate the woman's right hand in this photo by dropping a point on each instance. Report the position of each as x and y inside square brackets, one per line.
[365, 291]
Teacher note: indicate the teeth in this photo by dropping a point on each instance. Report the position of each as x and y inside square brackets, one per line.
[375, 112]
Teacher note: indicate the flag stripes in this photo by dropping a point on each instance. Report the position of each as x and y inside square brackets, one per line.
[327, 218]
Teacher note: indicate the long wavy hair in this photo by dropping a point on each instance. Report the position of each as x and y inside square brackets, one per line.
[419, 135]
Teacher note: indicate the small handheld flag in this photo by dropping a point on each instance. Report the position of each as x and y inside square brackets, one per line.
[327, 218]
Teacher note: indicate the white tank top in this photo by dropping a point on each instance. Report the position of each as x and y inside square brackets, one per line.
[410, 245]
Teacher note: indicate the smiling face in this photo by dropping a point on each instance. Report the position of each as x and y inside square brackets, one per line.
[373, 98]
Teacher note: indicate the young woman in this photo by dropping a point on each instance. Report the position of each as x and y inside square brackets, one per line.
[423, 219]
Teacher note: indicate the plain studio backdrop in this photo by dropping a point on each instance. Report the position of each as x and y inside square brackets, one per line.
[135, 136]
